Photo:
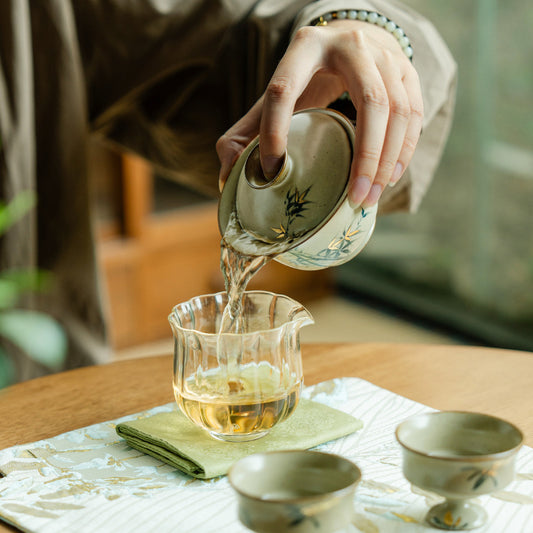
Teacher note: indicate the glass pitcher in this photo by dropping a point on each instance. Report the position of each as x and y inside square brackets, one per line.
[237, 386]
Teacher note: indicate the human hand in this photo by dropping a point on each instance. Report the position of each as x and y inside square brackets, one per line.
[320, 64]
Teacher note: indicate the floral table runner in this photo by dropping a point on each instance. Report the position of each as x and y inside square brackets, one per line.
[89, 480]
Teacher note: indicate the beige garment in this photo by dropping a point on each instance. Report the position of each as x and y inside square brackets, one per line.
[163, 78]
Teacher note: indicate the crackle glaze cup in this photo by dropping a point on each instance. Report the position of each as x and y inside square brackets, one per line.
[302, 215]
[458, 455]
[295, 491]
[238, 386]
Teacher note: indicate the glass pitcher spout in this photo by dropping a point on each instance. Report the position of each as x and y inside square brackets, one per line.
[300, 317]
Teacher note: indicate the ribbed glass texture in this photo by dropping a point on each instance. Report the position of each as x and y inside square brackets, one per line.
[238, 385]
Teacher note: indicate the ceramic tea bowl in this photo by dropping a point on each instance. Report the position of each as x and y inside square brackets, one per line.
[458, 455]
[302, 215]
[295, 491]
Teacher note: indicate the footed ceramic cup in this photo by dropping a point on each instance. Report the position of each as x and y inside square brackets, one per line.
[302, 216]
[295, 491]
[460, 456]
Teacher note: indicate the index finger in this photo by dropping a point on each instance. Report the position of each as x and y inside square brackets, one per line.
[291, 77]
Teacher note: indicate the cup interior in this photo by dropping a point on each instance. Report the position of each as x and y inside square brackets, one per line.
[292, 475]
[459, 434]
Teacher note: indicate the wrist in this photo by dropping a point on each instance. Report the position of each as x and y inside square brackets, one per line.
[368, 17]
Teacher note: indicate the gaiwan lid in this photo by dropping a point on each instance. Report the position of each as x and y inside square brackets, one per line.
[312, 182]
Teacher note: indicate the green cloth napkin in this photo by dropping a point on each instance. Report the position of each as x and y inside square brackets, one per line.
[174, 439]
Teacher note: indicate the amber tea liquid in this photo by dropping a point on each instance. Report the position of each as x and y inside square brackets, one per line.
[249, 407]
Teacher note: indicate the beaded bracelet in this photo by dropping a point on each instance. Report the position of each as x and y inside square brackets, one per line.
[373, 18]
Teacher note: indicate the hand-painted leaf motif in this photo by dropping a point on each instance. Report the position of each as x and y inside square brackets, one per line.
[480, 480]
[295, 205]
[479, 476]
[281, 232]
[350, 234]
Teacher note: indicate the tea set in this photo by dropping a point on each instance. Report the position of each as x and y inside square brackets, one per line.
[239, 384]
[457, 455]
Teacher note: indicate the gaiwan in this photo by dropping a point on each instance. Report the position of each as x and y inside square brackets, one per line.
[302, 216]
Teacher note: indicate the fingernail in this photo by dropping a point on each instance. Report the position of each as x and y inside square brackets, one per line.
[396, 175]
[373, 195]
[271, 165]
[359, 191]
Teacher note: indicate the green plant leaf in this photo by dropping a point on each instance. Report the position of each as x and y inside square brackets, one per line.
[36, 334]
[9, 293]
[13, 283]
[28, 279]
[16, 209]
[7, 370]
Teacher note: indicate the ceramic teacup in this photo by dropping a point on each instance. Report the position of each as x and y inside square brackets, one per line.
[458, 455]
[295, 491]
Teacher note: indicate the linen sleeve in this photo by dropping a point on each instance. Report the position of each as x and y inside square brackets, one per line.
[166, 79]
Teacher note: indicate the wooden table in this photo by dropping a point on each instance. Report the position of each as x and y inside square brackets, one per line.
[493, 381]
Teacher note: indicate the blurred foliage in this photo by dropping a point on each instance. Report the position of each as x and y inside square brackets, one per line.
[24, 332]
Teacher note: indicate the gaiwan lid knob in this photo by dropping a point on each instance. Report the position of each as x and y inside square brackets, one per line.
[308, 188]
